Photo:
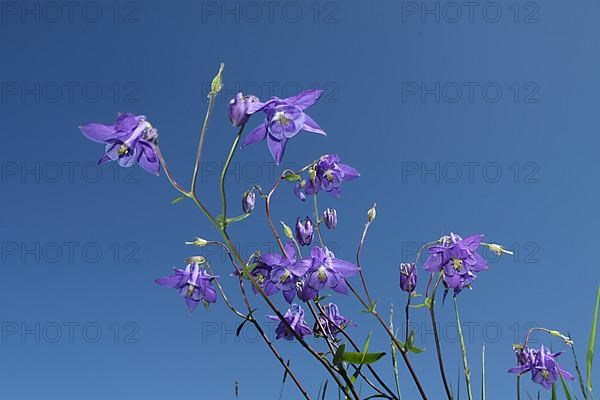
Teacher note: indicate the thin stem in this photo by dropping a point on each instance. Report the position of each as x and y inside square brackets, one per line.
[269, 218]
[318, 220]
[519, 387]
[438, 347]
[163, 163]
[407, 314]
[236, 141]
[398, 343]
[360, 271]
[211, 103]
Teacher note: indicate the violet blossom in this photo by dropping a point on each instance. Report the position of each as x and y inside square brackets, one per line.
[327, 174]
[294, 320]
[326, 271]
[542, 365]
[193, 283]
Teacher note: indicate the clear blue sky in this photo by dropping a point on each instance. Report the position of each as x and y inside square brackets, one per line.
[477, 119]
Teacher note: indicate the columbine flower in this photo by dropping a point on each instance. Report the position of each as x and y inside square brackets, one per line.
[330, 218]
[248, 201]
[459, 260]
[284, 119]
[304, 231]
[285, 272]
[238, 107]
[333, 322]
[193, 283]
[408, 277]
[295, 320]
[542, 365]
[326, 271]
[130, 140]
[327, 174]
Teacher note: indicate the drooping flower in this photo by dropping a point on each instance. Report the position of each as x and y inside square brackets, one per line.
[458, 259]
[408, 277]
[327, 174]
[248, 201]
[238, 108]
[304, 231]
[326, 271]
[129, 141]
[542, 365]
[294, 320]
[285, 272]
[330, 218]
[193, 283]
[333, 322]
[285, 118]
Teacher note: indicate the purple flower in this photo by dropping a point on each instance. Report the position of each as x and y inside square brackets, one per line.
[326, 271]
[333, 322]
[304, 231]
[238, 107]
[327, 174]
[458, 259]
[408, 277]
[284, 119]
[285, 272]
[130, 140]
[294, 320]
[330, 218]
[248, 201]
[193, 283]
[542, 365]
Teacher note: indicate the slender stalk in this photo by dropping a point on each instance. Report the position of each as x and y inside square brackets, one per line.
[165, 167]
[519, 387]
[436, 337]
[463, 350]
[211, 102]
[360, 272]
[234, 146]
[318, 220]
[269, 218]
[407, 315]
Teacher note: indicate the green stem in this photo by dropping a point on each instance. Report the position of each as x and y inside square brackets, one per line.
[519, 387]
[318, 220]
[211, 103]
[463, 350]
[234, 146]
[436, 337]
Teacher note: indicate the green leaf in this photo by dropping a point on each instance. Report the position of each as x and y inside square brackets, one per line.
[337, 358]
[237, 219]
[177, 199]
[361, 358]
[395, 354]
[592, 344]
[565, 388]
[292, 178]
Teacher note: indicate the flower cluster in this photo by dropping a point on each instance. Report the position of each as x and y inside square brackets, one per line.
[458, 259]
[542, 365]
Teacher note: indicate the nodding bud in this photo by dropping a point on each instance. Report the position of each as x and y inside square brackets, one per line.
[238, 107]
[248, 201]
[372, 213]
[198, 242]
[287, 231]
[330, 218]
[408, 277]
[304, 231]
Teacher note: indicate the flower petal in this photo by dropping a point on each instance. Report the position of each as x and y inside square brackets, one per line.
[311, 126]
[350, 173]
[148, 159]
[98, 132]
[277, 148]
[257, 135]
[344, 268]
[305, 99]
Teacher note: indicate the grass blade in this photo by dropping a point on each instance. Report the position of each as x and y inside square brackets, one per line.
[565, 389]
[395, 355]
[592, 344]
[463, 350]
[483, 373]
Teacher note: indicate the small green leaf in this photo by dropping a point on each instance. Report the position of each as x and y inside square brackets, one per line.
[237, 219]
[565, 388]
[337, 358]
[177, 199]
[361, 358]
[292, 177]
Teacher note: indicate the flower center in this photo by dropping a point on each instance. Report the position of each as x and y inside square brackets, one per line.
[123, 150]
[322, 273]
[545, 374]
[281, 118]
[457, 263]
[285, 276]
[260, 278]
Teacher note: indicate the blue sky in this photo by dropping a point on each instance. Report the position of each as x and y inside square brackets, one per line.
[471, 119]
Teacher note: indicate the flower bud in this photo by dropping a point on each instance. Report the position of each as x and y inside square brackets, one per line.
[408, 277]
[198, 242]
[238, 106]
[304, 231]
[287, 231]
[330, 218]
[372, 213]
[248, 200]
